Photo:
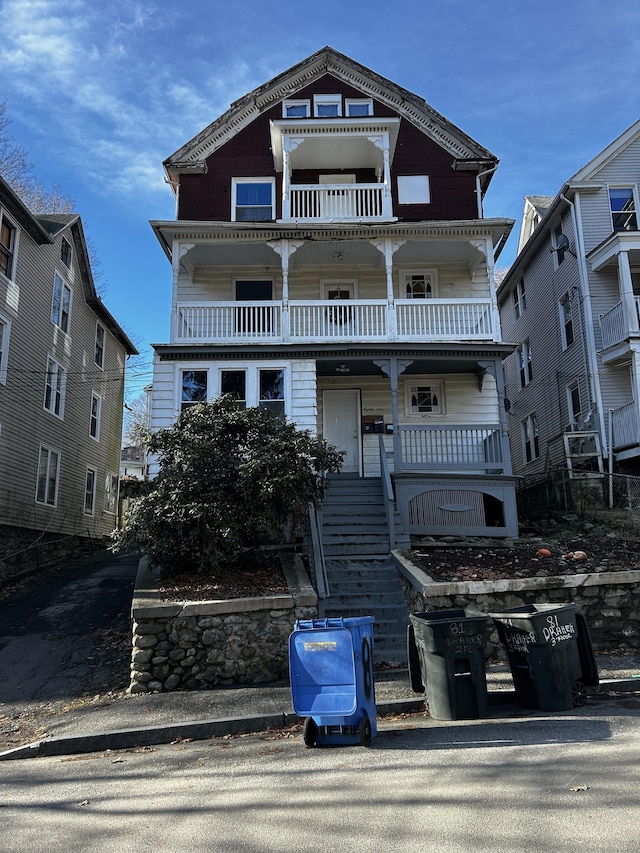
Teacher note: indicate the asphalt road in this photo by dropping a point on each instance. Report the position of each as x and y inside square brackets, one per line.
[543, 784]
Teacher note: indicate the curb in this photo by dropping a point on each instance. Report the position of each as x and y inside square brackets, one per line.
[206, 729]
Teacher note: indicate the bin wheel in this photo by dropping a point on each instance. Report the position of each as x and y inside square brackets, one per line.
[309, 732]
[579, 694]
[365, 731]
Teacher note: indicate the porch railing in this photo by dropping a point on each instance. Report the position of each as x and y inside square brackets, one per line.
[343, 202]
[387, 492]
[334, 320]
[613, 325]
[451, 448]
[626, 426]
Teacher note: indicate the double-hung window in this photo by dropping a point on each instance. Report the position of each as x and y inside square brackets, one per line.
[573, 403]
[566, 321]
[65, 252]
[99, 353]
[530, 440]
[253, 199]
[358, 106]
[54, 388]
[519, 299]
[110, 493]
[48, 475]
[90, 492]
[61, 304]
[295, 109]
[94, 418]
[5, 330]
[234, 382]
[271, 391]
[623, 208]
[524, 364]
[8, 240]
[325, 106]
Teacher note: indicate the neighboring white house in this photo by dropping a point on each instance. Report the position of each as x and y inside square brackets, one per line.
[571, 302]
[331, 262]
[62, 363]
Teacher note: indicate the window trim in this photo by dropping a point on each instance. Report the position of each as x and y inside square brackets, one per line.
[406, 192]
[237, 182]
[530, 435]
[5, 338]
[56, 392]
[49, 452]
[66, 256]
[566, 320]
[525, 367]
[92, 511]
[296, 102]
[405, 275]
[252, 384]
[100, 327]
[412, 385]
[636, 207]
[519, 298]
[348, 102]
[10, 252]
[98, 416]
[64, 328]
[331, 100]
[111, 493]
[183, 405]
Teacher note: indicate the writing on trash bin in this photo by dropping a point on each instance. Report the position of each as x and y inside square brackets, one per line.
[465, 642]
[520, 641]
[318, 646]
[554, 632]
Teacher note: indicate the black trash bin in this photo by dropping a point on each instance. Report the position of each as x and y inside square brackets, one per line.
[446, 660]
[550, 655]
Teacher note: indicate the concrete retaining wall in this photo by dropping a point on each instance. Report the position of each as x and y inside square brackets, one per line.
[610, 602]
[187, 645]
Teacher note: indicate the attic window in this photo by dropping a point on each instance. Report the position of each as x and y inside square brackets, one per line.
[413, 189]
[325, 106]
[296, 109]
[65, 252]
[359, 107]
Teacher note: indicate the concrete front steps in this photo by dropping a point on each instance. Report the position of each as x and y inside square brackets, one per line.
[366, 587]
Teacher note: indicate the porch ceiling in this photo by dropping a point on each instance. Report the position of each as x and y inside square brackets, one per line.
[334, 253]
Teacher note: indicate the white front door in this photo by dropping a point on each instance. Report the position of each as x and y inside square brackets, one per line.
[341, 425]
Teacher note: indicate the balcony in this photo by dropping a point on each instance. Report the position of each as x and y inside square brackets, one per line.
[322, 321]
[615, 328]
[337, 203]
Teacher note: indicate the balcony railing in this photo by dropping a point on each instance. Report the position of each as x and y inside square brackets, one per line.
[336, 202]
[451, 448]
[334, 320]
[613, 325]
[626, 426]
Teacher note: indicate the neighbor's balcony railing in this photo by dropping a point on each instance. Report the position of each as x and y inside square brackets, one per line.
[334, 320]
[452, 448]
[614, 326]
[336, 202]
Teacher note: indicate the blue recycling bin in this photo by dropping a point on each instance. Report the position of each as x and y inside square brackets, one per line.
[331, 675]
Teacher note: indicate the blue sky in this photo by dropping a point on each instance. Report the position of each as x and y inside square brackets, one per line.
[101, 93]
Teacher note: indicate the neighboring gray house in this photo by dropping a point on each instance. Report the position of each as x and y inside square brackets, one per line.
[62, 363]
[331, 261]
[570, 301]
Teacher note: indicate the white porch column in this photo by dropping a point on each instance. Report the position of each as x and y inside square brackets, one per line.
[382, 142]
[178, 252]
[388, 248]
[285, 248]
[286, 178]
[629, 309]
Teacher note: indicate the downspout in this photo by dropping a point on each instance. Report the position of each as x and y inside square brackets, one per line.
[479, 191]
[591, 365]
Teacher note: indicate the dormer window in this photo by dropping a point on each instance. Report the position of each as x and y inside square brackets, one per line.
[325, 106]
[358, 107]
[296, 109]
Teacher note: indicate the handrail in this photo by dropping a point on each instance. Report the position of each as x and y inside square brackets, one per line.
[387, 492]
[315, 525]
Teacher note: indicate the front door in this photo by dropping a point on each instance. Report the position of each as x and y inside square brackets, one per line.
[341, 425]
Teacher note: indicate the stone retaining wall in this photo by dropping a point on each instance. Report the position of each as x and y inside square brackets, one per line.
[610, 602]
[196, 645]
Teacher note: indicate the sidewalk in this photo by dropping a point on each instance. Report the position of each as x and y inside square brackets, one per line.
[146, 719]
